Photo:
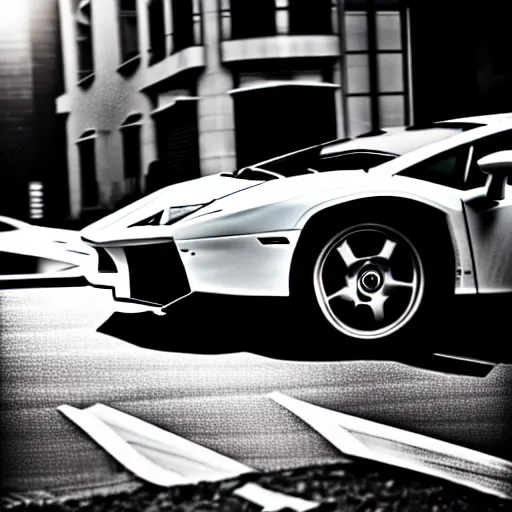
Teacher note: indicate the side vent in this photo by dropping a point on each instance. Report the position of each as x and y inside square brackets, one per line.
[106, 264]
[273, 240]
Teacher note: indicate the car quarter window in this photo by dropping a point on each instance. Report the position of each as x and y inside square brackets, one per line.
[447, 169]
[352, 161]
[451, 168]
[291, 165]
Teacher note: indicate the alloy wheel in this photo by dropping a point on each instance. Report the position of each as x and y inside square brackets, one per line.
[369, 281]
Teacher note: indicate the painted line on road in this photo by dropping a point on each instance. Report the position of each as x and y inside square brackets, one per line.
[370, 440]
[167, 460]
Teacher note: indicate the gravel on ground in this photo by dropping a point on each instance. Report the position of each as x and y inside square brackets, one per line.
[361, 486]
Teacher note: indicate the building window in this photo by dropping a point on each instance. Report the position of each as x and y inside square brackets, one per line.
[307, 19]
[156, 31]
[83, 24]
[132, 158]
[242, 19]
[187, 24]
[258, 19]
[128, 29]
[88, 180]
[376, 64]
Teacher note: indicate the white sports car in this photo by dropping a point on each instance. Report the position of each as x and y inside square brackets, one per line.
[368, 235]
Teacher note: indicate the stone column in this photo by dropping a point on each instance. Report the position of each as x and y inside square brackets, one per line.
[215, 107]
[339, 96]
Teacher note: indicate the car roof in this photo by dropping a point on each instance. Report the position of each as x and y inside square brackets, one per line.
[483, 119]
[398, 140]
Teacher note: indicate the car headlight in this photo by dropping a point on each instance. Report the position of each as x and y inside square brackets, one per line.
[169, 215]
[176, 213]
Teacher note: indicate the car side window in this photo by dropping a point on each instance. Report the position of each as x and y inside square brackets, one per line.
[6, 227]
[447, 169]
[352, 161]
[291, 165]
[483, 147]
[257, 175]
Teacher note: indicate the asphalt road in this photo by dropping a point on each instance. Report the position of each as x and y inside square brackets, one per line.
[52, 354]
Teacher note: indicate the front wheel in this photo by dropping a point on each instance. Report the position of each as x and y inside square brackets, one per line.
[375, 281]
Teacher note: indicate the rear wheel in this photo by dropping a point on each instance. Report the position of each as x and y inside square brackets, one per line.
[378, 280]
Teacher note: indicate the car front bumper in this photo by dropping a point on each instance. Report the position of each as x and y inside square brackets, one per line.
[156, 274]
[247, 265]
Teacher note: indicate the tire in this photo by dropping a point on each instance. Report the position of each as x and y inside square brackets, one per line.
[394, 300]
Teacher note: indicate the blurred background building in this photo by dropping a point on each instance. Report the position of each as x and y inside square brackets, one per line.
[134, 95]
[205, 86]
[31, 139]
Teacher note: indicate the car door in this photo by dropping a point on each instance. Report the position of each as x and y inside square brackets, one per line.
[489, 222]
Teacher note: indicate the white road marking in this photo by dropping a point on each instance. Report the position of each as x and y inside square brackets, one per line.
[166, 459]
[370, 440]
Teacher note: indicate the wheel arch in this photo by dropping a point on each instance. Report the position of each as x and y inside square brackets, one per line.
[438, 222]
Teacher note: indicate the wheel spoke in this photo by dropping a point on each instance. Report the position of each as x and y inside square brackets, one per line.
[387, 250]
[348, 257]
[345, 293]
[393, 286]
[377, 307]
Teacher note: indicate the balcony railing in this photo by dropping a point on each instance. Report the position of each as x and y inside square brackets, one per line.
[244, 19]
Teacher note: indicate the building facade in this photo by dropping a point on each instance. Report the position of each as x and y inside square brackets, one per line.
[161, 91]
[33, 175]
[461, 59]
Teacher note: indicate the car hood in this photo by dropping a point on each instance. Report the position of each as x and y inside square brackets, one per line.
[200, 191]
[275, 191]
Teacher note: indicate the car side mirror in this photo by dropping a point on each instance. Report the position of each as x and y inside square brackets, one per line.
[498, 167]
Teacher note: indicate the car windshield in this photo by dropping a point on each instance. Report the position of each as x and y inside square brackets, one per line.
[303, 162]
[364, 152]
